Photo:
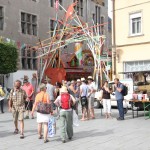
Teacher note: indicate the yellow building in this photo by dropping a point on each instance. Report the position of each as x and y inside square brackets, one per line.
[131, 38]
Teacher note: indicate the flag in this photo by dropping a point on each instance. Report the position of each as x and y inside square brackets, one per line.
[78, 52]
[70, 11]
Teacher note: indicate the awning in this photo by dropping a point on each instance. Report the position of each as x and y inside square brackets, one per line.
[148, 71]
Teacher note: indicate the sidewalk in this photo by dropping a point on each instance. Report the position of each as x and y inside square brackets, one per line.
[98, 134]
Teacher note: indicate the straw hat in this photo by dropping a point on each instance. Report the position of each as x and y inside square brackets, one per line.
[82, 79]
[64, 89]
[42, 86]
[78, 80]
[72, 82]
[90, 78]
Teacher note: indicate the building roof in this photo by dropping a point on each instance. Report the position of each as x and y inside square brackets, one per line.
[67, 57]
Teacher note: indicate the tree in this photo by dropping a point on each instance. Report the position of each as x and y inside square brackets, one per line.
[8, 58]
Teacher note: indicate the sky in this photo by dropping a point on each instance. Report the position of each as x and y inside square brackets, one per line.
[110, 8]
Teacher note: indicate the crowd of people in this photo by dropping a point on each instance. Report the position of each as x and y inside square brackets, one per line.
[61, 99]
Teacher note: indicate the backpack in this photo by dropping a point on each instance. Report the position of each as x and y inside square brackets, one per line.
[65, 101]
[124, 90]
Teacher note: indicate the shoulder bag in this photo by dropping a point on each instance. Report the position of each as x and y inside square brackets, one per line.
[44, 108]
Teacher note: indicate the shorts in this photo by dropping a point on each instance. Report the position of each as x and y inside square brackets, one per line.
[91, 102]
[29, 105]
[18, 115]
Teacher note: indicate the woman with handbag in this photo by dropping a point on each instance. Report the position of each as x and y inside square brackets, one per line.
[106, 100]
[42, 102]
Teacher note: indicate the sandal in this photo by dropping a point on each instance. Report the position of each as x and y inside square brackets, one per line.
[92, 118]
[16, 131]
[45, 141]
[40, 137]
[21, 136]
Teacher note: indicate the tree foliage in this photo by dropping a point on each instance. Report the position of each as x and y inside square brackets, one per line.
[8, 58]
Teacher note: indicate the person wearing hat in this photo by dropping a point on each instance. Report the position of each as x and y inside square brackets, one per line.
[65, 102]
[42, 118]
[84, 94]
[91, 95]
[17, 98]
[28, 88]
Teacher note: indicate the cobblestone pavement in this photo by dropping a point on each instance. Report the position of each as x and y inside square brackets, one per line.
[101, 133]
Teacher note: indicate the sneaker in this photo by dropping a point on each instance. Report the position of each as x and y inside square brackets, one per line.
[21, 136]
[119, 119]
[70, 138]
[27, 117]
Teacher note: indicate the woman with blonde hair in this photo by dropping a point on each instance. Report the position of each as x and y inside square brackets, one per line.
[42, 118]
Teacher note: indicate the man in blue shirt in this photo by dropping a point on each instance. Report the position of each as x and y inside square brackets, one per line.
[119, 98]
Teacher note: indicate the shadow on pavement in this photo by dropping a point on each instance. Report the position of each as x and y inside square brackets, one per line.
[91, 133]
[5, 134]
[6, 121]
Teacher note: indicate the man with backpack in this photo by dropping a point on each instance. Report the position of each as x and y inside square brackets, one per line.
[65, 101]
[119, 87]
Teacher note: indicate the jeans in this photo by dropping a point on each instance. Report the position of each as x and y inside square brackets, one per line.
[120, 108]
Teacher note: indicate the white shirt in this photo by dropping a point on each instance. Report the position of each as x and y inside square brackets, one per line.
[92, 87]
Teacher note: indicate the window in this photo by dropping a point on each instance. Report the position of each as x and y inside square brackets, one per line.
[1, 18]
[97, 16]
[102, 26]
[61, 3]
[52, 3]
[29, 24]
[79, 7]
[135, 24]
[29, 60]
[52, 26]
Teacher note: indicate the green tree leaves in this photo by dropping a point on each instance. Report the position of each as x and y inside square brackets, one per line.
[8, 58]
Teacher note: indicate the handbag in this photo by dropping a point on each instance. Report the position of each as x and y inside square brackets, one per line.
[44, 108]
[84, 101]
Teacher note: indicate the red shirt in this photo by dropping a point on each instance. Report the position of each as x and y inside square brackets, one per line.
[28, 88]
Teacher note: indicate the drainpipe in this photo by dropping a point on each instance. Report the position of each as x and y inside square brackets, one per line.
[113, 40]
[86, 10]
